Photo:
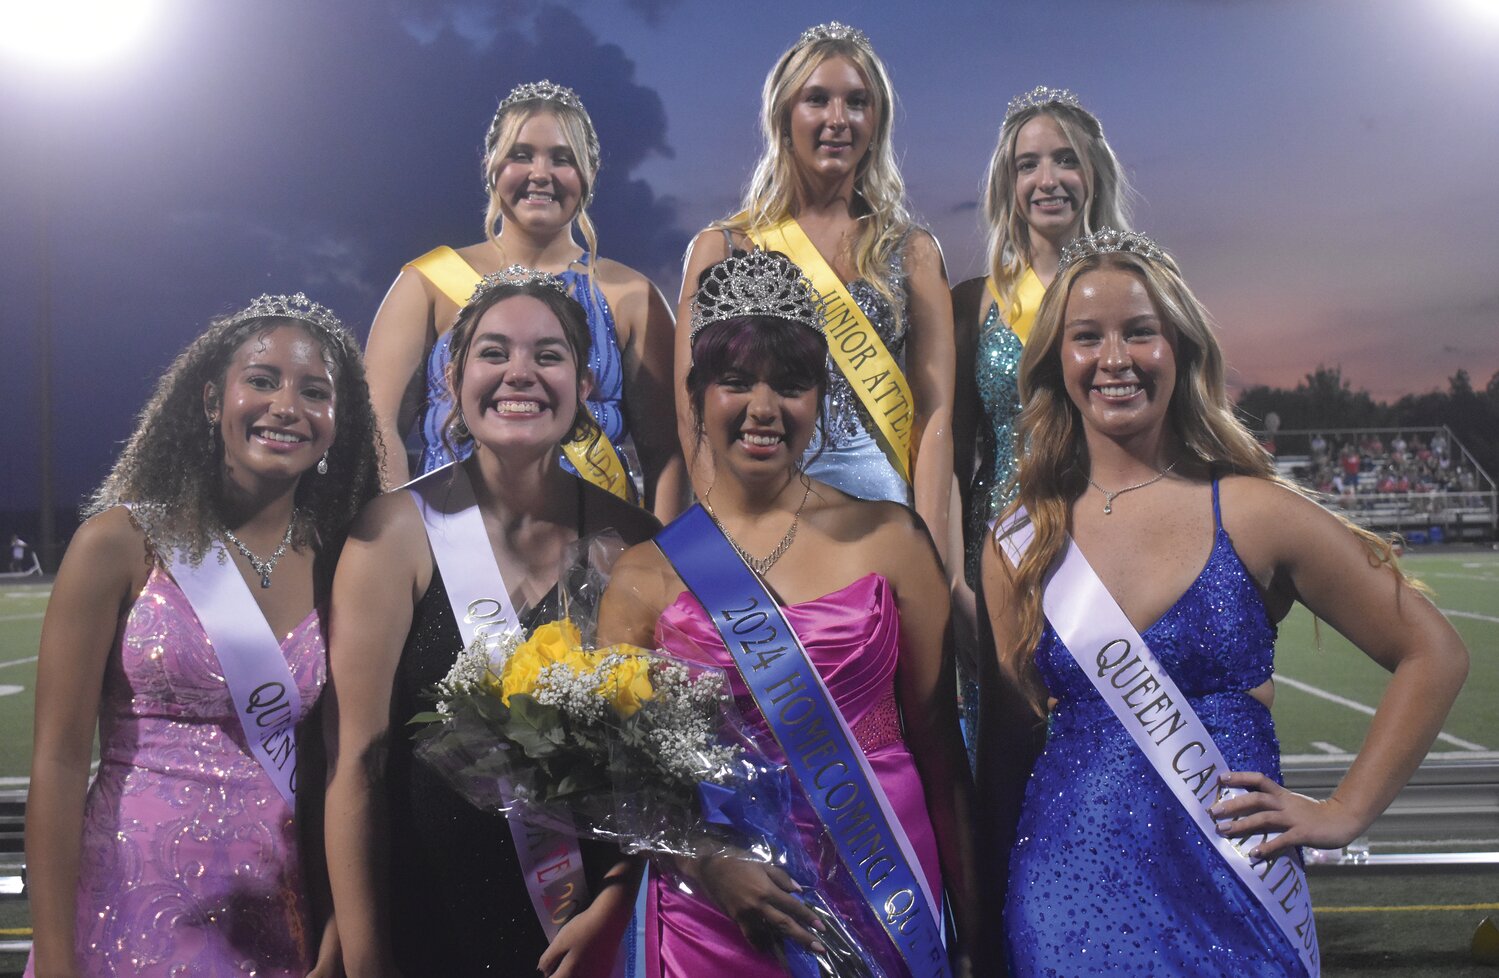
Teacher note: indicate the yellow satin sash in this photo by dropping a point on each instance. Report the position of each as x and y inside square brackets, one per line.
[591, 453]
[1021, 315]
[854, 345]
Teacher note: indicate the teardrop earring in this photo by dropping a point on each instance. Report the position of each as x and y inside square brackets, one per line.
[322, 465]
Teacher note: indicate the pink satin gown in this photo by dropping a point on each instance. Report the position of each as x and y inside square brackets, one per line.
[853, 638]
[189, 865]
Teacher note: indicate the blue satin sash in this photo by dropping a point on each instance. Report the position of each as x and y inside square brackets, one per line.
[819, 746]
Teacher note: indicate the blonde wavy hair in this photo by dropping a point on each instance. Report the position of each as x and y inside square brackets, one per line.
[582, 140]
[771, 193]
[1053, 467]
[1104, 182]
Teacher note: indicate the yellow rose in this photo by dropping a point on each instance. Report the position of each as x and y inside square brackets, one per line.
[554, 640]
[628, 685]
[521, 672]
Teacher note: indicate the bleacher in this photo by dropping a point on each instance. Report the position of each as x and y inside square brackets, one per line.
[1420, 483]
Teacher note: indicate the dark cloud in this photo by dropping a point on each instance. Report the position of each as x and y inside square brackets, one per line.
[652, 11]
[274, 147]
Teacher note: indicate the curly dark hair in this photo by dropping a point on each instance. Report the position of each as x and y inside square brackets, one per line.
[171, 470]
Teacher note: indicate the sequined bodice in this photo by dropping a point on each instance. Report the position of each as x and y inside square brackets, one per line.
[997, 374]
[166, 706]
[1216, 638]
[1108, 875]
[846, 417]
[605, 400]
[852, 636]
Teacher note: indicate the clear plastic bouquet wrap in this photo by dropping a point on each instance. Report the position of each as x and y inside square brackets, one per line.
[628, 745]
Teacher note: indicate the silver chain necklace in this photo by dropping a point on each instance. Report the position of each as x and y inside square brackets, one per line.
[1108, 497]
[760, 565]
[263, 567]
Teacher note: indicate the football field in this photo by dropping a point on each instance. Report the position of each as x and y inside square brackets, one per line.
[1415, 924]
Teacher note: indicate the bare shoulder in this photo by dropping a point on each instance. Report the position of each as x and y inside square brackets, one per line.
[922, 248]
[112, 536]
[642, 584]
[477, 255]
[1272, 524]
[607, 510]
[390, 520]
[709, 246]
[889, 533]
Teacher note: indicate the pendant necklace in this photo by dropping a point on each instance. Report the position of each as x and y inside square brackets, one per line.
[760, 565]
[264, 567]
[1108, 497]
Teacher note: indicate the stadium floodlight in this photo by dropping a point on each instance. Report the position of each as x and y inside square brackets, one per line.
[72, 34]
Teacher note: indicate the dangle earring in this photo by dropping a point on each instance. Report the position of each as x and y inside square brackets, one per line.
[213, 435]
[322, 464]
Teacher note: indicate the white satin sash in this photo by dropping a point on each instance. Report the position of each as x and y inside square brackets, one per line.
[1145, 699]
[261, 685]
[550, 861]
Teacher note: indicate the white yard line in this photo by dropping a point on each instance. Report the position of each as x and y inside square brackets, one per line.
[1450, 613]
[37, 614]
[17, 662]
[1327, 748]
[1281, 677]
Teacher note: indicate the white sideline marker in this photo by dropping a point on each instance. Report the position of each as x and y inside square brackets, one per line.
[1281, 677]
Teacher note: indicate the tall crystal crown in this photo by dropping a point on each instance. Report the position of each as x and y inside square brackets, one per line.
[1039, 96]
[519, 276]
[295, 306]
[834, 31]
[761, 283]
[1106, 240]
[544, 91]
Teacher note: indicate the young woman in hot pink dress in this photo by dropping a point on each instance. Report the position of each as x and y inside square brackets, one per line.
[182, 858]
[860, 583]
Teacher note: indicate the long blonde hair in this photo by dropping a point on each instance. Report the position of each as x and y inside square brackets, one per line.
[771, 193]
[577, 130]
[1053, 466]
[1104, 182]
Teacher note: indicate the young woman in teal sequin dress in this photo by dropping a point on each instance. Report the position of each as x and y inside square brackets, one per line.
[1135, 457]
[1052, 177]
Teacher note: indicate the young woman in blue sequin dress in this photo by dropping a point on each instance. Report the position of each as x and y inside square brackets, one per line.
[1134, 454]
[541, 161]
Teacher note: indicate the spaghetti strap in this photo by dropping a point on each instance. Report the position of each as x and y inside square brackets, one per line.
[1217, 512]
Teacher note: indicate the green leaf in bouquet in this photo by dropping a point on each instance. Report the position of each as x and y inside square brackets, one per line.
[535, 727]
[585, 778]
[431, 716]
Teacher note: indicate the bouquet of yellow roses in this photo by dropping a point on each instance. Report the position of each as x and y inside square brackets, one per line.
[544, 724]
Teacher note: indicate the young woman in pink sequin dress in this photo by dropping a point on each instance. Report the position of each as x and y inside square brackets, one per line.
[182, 857]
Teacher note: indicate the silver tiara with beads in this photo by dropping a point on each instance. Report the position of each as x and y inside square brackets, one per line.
[295, 306]
[834, 31]
[517, 276]
[1041, 96]
[544, 91]
[761, 283]
[1107, 240]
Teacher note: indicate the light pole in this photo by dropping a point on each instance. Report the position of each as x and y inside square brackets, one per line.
[49, 37]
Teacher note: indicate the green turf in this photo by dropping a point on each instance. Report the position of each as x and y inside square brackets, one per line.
[1320, 657]
[21, 607]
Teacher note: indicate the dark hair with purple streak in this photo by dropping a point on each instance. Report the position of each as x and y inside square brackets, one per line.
[783, 351]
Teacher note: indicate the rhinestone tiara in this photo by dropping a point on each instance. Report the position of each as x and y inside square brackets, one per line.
[834, 31]
[518, 276]
[296, 306]
[1039, 96]
[543, 91]
[761, 283]
[1106, 240]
